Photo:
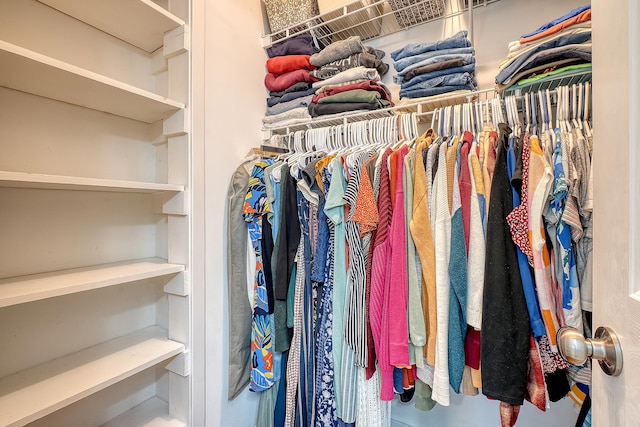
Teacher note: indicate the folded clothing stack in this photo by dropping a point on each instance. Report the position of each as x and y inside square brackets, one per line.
[289, 80]
[559, 47]
[434, 68]
[348, 78]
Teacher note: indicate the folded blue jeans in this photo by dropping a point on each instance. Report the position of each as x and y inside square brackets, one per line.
[421, 93]
[407, 62]
[470, 68]
[465, 57]
[457, 40]
[456, 79]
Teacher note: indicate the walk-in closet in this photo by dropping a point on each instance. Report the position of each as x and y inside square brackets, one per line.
[136, 221]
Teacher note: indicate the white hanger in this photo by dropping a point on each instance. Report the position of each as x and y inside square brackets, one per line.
[543, 116]
[514, 112]
[495, 112]
[547, 95]
[580, 105]
[574, 107]
[433, 118]
[566, 105]
[507, 106]
[533, 111]
[587, 113]
[456, 121]
[448, 112]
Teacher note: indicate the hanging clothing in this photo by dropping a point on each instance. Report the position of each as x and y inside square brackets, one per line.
[255, 207]
[240, 317]
[505, 322]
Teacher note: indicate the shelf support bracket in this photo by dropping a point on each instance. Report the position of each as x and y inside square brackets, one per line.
[180, 365]
[179, 285]
[176, 41]
[174, 204]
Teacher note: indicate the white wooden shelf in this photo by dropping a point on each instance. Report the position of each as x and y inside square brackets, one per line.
[141, 23]
[31, 394]
[38, 74]
[75, 183]
[19, 290]
[151, 413]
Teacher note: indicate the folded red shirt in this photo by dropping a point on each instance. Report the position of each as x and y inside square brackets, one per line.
[278, 82]
[285, 64]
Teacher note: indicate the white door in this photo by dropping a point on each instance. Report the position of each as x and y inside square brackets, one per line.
[616, 92]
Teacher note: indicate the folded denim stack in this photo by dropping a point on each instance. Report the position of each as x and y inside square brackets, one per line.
[561, 46]
[289, 81]
[434, 68]
[348, 75]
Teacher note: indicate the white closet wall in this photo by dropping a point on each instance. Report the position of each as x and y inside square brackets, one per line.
[94, 213]
[233, 102]
[229, 69]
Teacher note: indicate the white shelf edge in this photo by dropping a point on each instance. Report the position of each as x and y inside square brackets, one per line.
[34, 393]
[23, 289]
[32, 72]
[153, 412]
[75, 183]
[141, 23]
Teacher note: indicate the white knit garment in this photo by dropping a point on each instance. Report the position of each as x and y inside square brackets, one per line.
[442, 239]
[372, 412]
[475, 260]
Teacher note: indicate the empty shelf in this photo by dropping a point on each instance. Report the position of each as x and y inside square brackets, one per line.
[61, 182]
[141, 23]
[151, 413]
[18, 290]
[39, 391]
[38, 74]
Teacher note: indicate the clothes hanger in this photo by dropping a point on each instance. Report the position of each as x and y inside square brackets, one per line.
[565, 108]
[448, 114]
[587, 112]
[543, 116]
[455, 131]
[513, 105]
[580, 112]
[510, 119]
[562, 102]
[514, 113]
[465, 118]
[495, 112]
[534, 118]
[547, 94]
[568, 103]
[574, 107]
[527, 113]
[433, 118]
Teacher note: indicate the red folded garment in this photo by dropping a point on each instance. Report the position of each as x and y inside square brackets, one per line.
[368, 85]
[285, 64]
[278, 82]
[582, 17]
